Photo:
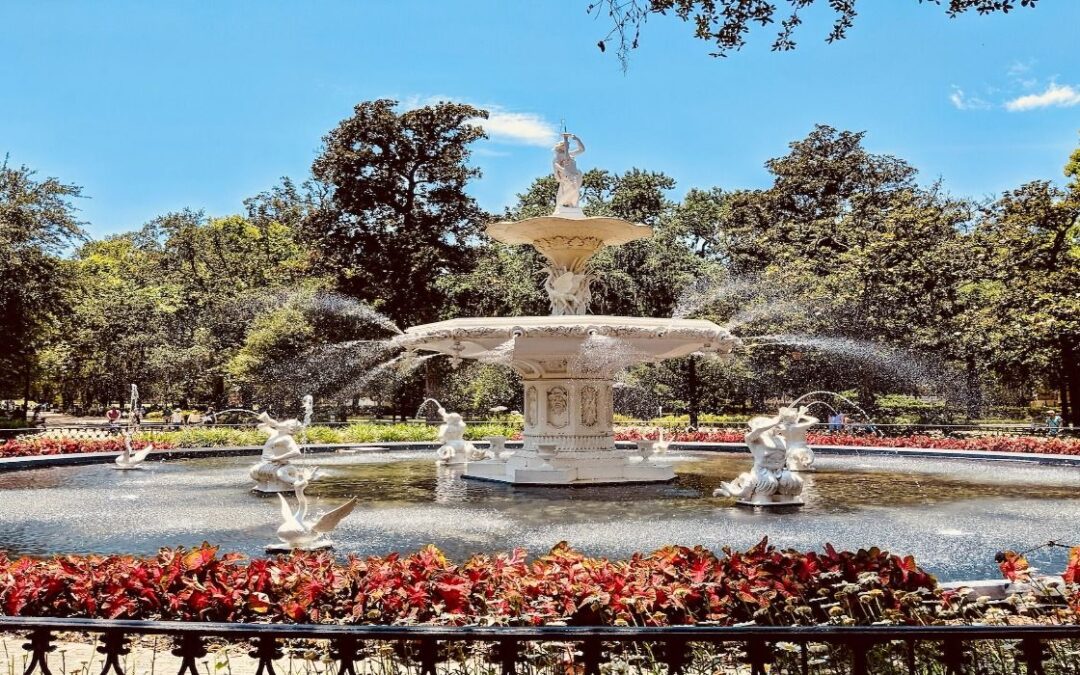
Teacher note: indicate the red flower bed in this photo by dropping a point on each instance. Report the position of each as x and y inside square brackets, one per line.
[1056, 446]
[68, 446]
[672, 586]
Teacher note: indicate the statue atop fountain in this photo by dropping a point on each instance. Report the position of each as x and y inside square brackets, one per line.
[568, 176]
[795, 423]
[274, 472]
[769, 482]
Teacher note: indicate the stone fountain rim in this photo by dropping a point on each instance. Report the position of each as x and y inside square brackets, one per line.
[610, 231]
[27, 463]
[584, 321]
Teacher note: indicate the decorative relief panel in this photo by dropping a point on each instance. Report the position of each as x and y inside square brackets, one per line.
[558, 407]
[590, 405]
[530, 406]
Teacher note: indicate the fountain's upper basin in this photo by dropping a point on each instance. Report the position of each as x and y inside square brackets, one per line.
[637, 339]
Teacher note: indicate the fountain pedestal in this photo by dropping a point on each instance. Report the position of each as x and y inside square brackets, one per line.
[572, 420]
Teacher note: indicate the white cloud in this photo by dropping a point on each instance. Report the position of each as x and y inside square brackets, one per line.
[1056, 95]
[522, 128]
[503, 126]
[962, 101]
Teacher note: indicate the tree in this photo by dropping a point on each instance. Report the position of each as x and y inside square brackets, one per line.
[37, 224]
[726, 23]
[397, 217]
[1023, 302]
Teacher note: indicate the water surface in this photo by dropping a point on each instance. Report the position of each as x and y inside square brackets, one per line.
[953, 515]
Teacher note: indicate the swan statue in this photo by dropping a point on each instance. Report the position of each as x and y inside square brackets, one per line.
[128, 460]
[300, 533]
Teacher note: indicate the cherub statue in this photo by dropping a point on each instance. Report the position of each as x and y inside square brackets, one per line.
[298, 532]
[795, 424]
[455, 449]
[274, 473]
[768, 483]
[567, 174]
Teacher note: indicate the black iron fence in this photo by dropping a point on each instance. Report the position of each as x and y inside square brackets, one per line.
[565, 650]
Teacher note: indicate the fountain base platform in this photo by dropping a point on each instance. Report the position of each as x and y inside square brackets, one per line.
[768, 502]
[607, 467]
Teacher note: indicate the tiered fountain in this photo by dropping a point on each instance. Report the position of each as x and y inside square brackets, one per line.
[569, 359]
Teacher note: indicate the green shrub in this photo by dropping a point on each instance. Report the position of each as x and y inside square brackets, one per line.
[361, 432]
[477, 432]
[206, 437]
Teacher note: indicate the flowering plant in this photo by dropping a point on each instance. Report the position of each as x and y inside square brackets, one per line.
[675, 585]
[1057, 446]
[70, 446]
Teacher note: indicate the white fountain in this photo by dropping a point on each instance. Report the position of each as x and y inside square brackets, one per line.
[274, 471]
[298, 531]
[769, 482]
[569, 359]
[128, 459]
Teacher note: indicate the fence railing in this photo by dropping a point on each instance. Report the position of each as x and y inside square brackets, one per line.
[567, 650]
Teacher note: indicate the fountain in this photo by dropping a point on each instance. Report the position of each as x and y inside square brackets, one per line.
[796, 422]
[569, 359]
[769, 482]
[455, 450]
[127, 459]
[300, 533]
[274, 472]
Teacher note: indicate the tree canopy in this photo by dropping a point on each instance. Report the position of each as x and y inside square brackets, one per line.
[846, 272]
[727, 23]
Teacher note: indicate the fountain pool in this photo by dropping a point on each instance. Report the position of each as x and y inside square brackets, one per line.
[952, 515]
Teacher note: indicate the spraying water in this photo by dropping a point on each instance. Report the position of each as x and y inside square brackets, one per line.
[704, 292]
[898, 362]
[422, 410]
[843, 398]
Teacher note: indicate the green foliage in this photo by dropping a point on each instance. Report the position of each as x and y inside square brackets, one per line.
[37, 224]
[217, 437]
[397, 212]
[975, 303]
[902, 409]
[726, 23]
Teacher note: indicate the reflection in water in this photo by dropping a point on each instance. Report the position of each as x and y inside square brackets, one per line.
[952, 515]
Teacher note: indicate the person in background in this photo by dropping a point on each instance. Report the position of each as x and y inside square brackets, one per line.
[834, 422]
[166, 415]
[112, 415]
[1053, 423]
[177, 418]
[210, 416]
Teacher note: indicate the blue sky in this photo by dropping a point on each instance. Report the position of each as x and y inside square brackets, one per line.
[157, 106]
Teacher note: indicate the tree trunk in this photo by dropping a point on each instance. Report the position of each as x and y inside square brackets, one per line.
[693, 391]
[26, 393]
[973, 391]
[1070, 384]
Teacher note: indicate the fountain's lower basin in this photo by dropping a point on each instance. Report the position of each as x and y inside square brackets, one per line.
[952, 515]
[568, 364]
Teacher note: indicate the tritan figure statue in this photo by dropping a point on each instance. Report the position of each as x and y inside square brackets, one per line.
[568, 175]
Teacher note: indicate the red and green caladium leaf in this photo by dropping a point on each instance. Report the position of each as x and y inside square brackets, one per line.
[672, 586]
